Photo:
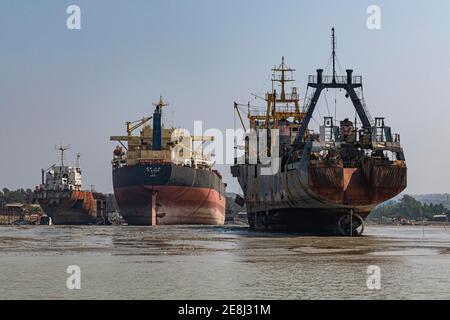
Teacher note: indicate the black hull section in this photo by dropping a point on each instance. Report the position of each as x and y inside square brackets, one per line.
[166, 175]
[306, 221]
[69, 217]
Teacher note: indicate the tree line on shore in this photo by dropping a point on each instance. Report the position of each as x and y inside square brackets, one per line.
[408, 207]
[23, 196]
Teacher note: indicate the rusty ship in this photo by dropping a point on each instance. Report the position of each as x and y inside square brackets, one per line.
[162, 176]
[61, 197]
[323, 183]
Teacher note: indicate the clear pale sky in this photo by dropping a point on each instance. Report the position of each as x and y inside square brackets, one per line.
[79, 87]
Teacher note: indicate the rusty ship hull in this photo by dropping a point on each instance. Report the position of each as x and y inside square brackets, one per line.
[325, 182]
[168, 194]
[73, 207]
[312, 197]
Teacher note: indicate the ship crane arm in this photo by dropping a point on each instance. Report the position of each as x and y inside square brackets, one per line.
[236, 105]
[203, 138]
[238, 111]
[131, 126]
[43, 171]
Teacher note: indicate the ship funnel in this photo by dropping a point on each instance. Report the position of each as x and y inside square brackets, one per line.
[156, 143]
[319, 75]
[349, 76]
[157, 126]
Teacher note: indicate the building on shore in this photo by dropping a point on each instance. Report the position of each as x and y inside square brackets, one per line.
[13, 213]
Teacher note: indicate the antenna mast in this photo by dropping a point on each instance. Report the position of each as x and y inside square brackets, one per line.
[62, 149]
[77, 163]
[279, 75]
[333, 45]
[160, 104]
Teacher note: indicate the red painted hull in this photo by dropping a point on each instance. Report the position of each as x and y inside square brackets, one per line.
[174, 205]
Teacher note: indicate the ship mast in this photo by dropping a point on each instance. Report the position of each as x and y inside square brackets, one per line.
[333, 46]
[280, 106]
[282, 79]
[160, 104]
[279, 75]
[77, 163]
[62, 149]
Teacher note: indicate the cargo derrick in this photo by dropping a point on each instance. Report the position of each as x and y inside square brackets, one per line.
[329, 182]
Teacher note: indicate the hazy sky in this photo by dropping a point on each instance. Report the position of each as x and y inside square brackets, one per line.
[79, 87]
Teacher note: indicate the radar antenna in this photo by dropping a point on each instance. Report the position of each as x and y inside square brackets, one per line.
[62, 149]
[160, 104]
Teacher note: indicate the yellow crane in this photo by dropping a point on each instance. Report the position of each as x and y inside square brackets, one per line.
[131, 126]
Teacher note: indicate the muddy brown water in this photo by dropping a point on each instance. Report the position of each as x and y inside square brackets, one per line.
[231, 262]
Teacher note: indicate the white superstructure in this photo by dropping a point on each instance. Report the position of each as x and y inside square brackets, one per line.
[62, 177]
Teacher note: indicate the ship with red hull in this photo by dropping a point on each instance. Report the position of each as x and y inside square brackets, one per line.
[160, 178]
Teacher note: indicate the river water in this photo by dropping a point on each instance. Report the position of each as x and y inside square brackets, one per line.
[231, 262]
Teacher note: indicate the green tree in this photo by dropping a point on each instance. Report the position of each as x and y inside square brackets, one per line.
[408, 207]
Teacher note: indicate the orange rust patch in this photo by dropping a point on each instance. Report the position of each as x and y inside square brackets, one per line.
[375, 182]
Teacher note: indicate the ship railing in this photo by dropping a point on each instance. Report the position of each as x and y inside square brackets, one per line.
[287, 96]
[284, 108]
[151, 161]
[258, 113]
[339, 79]
[278, 77]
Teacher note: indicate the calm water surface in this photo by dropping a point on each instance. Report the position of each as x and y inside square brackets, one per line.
[188, 262]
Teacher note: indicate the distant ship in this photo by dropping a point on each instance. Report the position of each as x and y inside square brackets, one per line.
[161, 178]
[327, 182]
[61, 197]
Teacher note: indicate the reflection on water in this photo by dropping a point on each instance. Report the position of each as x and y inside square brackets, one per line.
[189, 262]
